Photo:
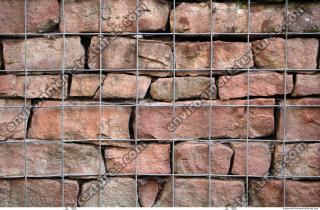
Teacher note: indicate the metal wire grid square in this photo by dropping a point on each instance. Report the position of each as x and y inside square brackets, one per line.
[136, 105]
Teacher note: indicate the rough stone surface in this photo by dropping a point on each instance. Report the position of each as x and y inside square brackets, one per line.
[153, 159]
[261, 84]
[43, 54]
[192, 158]
[152, 55]
[306, 85]
[192, 122]
[85, 85]
[148, 190]
[44, 86]
[309, 21]
[300, 160]
[258, 158]
[42, 16]
[45, 159]
[124, 86]
[224, 192]
[185, 88]
[270, 193]
[80, 121]
[118, 192]
[270, 53]
[12, 118]
[41, 193]
[302, 123]
[117, 15]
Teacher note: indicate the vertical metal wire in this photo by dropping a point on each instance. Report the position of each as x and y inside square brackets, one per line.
[174, 101]
[248, 107]
[284, 104]
[136, 104]
[100, 96]
[25, 121]
[62, 102]
[210, 106]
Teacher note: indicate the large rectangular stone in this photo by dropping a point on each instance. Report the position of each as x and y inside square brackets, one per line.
[46, 159]
[192, 119]
[40, 193]
[117, 15]
[42, 16]
[307, 85]
[81, 121]
[43, 54]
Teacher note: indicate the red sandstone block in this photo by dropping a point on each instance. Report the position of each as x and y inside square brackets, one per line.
[117, 15]
[301, 123]
[80, 121]
[261, 84]
[150, 159]
[192, 158]
[85, 85]
[306, 85]
[41, 15]
[298, 193]
[43, 54]
[192, 120]
[41, 193]
[45, 159]
[148, 191]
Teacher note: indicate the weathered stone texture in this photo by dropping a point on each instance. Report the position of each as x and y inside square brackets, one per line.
[192, 158]
[123, 86]
[46, 159]
[13, 117]
[258, 158]
[43, 54]
[270, 53]
[117, 15]
[302, 123]
[148, 190]
[42, 16]
[298, 193]
[151, 159]
[80, 121]
[192, 122]
[300, 160]
[185, 88]
[261, 84]
[85, 85]
[306, 85]
[41, 193]
[117, 192]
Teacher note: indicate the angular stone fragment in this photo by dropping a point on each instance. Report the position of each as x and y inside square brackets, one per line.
[192, 120]
[117, 192]
[152, 55]
[223, 193]
[261, 84]
[41, 193]
[192, 158]
[117, 15]
[42, 16]
[81, 121]
[150, 159]
[148, 191]
[124, 86]
[42, 86]
[300, 160]
[258, 158]
[306, 85]
[195, 18]
[46, 159]
[270, 53]
[301, 123]
[185, 88]
[85, 84]
[309, 21]
[13, 118]
[43, 54]
[298, 193]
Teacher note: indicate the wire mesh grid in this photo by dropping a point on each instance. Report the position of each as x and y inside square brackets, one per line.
[137, 103]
